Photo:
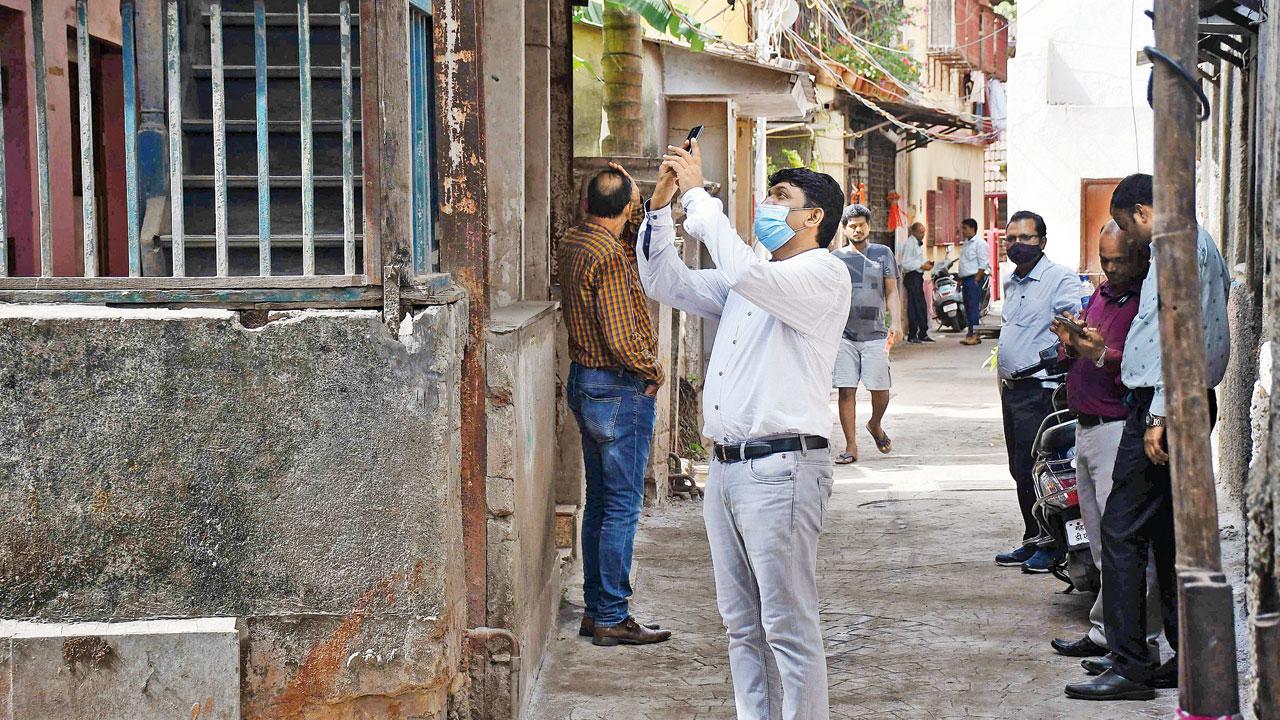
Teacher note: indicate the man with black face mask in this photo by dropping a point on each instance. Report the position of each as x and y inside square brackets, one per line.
[1037, 290]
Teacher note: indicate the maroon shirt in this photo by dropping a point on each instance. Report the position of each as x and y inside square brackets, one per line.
[1093, 390]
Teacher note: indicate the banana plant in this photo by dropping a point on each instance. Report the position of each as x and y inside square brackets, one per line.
[657, 14]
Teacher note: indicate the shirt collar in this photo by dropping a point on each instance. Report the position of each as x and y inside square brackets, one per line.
[605, 230]
[1111, 292]
[1036, 271]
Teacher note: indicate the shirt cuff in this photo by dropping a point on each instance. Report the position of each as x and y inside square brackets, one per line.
[1157, 403]
[689, 197]
[661, 216]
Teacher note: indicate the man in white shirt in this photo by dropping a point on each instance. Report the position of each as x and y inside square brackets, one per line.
[765, 406]
[975, 263]
[914, 266]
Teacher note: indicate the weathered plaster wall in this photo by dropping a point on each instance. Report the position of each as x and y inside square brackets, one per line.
[302, 476]
[523, 571]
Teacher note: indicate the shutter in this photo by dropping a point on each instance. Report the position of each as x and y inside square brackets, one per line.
[963, 207]
[933, 212]
[945, 225]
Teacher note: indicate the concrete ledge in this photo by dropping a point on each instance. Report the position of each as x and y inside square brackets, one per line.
[121, 671]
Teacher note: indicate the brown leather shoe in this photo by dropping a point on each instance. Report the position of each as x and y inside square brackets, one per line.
[588, 627]
[971, 340]
[628, 632]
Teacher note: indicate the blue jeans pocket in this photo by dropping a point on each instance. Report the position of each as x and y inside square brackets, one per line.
[599, 416]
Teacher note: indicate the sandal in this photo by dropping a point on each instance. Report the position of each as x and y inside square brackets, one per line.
[845, 459]
[883, 443]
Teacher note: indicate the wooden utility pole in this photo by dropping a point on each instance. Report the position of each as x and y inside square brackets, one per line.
[1206, 647]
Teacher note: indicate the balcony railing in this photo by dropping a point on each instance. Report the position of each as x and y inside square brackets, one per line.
[969, 34]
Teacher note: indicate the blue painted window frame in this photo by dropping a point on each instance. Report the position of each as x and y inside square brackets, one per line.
[426, 257]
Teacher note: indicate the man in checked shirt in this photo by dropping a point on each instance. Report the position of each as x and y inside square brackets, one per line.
[613, 381]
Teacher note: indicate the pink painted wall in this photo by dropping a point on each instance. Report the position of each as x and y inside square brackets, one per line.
[104, 22]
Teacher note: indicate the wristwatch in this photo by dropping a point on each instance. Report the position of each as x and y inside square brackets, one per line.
[1102, 359]
[1155, 420]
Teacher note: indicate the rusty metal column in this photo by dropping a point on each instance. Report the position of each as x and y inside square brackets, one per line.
[464, 252]
[1207, 649]
[153, 145]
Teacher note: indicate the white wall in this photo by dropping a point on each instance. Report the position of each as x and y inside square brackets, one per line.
[1077, 108]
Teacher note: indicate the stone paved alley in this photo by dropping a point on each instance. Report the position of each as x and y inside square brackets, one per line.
[919, 622]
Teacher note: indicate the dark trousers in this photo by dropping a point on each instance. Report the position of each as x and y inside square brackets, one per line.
[917, 310]
[1025, 404]
[972, 301]
[1139, 520]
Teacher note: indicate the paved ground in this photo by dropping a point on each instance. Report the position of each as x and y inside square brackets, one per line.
[919, 622]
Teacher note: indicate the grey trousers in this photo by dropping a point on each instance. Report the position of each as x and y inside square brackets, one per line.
[763, 519]
[1095, 458]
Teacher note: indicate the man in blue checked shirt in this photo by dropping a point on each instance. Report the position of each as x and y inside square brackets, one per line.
[1139, 516]
[1034, 292]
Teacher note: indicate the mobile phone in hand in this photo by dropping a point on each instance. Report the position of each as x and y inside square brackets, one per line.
[694, 134]
[1074, 327]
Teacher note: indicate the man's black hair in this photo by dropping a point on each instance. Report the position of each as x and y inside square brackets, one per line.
[1132, 191]
[970, 222]
[820, 191]
[1041, 229]
[857, 210]
[608, 194]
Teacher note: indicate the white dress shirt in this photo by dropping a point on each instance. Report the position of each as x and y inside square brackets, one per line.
[912, 255]
[975, 255]
[780, 323]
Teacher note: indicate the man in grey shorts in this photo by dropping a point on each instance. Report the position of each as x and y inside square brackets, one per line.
[864, 349]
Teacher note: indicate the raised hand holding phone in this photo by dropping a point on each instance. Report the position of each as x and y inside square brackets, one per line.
[686, 164]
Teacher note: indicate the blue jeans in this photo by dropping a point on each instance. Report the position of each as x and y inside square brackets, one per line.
[616, 420]
[972, 300]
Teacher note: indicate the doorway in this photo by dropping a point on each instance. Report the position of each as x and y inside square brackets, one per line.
[1095, 211]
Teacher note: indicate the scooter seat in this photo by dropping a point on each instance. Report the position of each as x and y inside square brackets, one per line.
[1058, 438]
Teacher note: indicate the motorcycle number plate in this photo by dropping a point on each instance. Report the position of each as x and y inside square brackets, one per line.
[949, 307]
[1077, 536]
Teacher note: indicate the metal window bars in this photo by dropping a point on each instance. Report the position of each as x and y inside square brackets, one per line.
[177, 48]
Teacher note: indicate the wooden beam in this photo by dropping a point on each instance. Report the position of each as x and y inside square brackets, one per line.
[1207, 652]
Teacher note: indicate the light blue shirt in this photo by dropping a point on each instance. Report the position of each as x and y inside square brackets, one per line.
[1029, 306]
[1142, 365]
[975, 255]
[912, 255]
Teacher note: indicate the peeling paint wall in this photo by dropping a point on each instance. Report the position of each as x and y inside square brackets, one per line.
[303, 476]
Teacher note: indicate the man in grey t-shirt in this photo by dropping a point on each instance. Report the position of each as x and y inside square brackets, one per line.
[864, 349]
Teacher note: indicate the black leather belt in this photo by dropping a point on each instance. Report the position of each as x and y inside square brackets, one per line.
[1094, 420]
[763, 448]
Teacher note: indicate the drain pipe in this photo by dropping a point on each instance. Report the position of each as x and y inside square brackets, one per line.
[484, 635]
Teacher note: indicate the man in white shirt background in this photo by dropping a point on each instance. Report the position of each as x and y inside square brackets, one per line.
[766, 408]
[975, 264]
[914, 266]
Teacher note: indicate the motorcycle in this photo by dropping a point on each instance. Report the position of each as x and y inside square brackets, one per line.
[1057, 506]
[948, 298]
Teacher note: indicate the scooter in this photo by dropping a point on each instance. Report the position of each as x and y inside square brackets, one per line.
[1057, 507]
[948, 298]
[948, 301]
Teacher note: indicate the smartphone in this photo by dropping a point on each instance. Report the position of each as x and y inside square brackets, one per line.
[1076, 328]
[694, 134]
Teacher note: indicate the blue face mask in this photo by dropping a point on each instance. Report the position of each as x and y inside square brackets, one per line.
[771, 226]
